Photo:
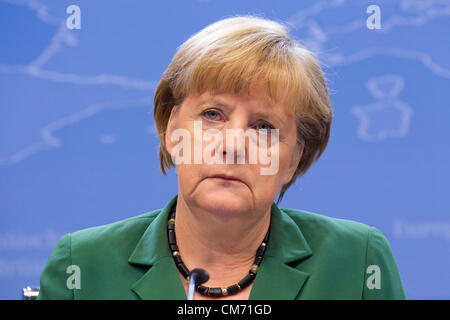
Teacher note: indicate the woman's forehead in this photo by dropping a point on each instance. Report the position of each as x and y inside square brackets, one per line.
[256, 102]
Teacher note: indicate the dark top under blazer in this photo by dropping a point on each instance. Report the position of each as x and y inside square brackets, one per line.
[309, 256]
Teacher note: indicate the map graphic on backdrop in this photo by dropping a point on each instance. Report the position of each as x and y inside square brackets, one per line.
[78, 144]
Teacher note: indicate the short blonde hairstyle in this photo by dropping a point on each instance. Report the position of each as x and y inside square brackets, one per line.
[234, 53]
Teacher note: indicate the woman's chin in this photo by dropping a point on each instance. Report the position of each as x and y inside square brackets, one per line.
[225, 202]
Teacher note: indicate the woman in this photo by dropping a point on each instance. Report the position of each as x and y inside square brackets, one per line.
[242, 111]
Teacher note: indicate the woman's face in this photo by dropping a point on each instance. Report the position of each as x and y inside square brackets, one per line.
[255, 184]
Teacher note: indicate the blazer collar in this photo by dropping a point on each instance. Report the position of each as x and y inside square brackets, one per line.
[276, 279]
[162, 280]
[153, 244]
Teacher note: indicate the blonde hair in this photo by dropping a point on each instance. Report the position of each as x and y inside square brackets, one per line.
[232, 54]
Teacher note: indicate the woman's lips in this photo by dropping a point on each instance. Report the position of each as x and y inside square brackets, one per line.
[225, 178]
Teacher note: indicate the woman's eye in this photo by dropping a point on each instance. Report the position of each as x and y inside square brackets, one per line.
[264, 126]
[211, 114]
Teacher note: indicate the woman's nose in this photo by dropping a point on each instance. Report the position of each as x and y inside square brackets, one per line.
[235, 141]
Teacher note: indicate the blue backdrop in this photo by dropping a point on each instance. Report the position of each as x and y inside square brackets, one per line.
[78, 146]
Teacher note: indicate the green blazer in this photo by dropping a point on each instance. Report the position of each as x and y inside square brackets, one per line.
[309, 256]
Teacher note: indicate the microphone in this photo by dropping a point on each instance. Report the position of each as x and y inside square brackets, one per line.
[196, 277]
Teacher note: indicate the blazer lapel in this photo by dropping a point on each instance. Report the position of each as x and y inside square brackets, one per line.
[162, 280]
[277, 278]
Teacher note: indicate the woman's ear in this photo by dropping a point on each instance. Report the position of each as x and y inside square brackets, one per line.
[171, 125]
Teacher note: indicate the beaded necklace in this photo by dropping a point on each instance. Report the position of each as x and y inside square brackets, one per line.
[213, 292]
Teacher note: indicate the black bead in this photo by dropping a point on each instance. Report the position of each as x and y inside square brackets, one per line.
[178, 260]
[257, 260]
[203, 290]
[246, 281]
[184, 271]
[172, 239]
[215, 292]
[260, 251]
[174, 247]
[171, 227]
[233, 289]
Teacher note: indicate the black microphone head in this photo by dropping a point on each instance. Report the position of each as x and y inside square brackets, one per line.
[200, 275]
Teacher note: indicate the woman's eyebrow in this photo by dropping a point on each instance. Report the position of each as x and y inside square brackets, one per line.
[271, 117]
[214, 103]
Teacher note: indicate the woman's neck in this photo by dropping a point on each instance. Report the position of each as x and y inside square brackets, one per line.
[224, 247]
